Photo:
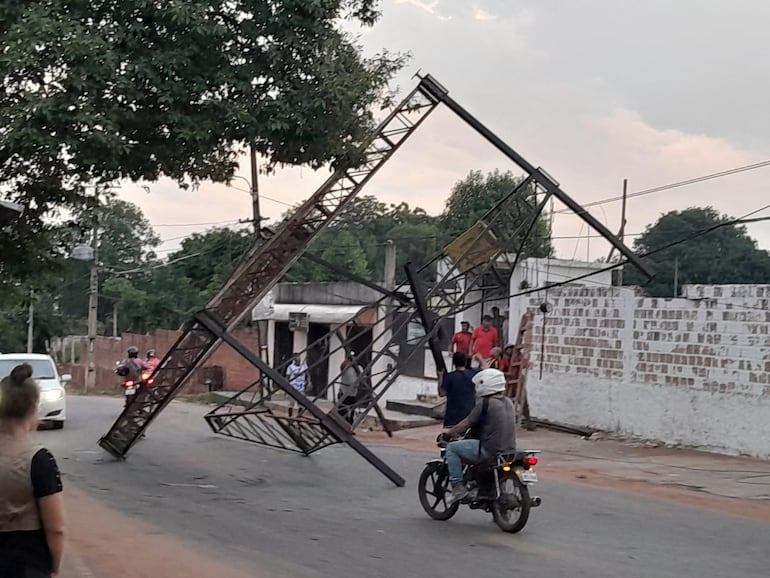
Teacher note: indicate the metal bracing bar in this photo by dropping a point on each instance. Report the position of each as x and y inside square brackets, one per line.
[545, 180]
[328, 423]
[422, 311]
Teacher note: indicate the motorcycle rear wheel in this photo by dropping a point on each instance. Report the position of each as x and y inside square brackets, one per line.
[511, 519]
[433, 489]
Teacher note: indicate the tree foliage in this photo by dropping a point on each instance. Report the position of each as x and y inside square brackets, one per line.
[96, 91]
[473, 197]
[724, 255]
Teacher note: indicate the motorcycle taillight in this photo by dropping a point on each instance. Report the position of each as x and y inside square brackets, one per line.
[128, 383]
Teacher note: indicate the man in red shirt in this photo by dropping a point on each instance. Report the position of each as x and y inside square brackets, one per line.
[483, 338]
[461, 341]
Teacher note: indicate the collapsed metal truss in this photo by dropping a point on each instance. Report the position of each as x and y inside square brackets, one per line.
[265, 263]
[249, 414]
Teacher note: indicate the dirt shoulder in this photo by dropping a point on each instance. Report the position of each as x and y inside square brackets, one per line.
[103, 543]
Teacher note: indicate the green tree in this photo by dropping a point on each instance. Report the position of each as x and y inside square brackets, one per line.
[472, 197]
[95, 92]
[346, 252]
[371, 224]
[724, 255]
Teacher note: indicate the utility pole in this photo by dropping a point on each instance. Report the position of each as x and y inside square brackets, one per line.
[93, 300]
[114, 319]
[255, 190]
[31, 321]
[622, 233]
[676, 277]
[389, 276]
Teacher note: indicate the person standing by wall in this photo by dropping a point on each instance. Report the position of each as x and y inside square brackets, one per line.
[296, 373]
[483, 339]
[461, 341]
[31, 506]
[350, 380]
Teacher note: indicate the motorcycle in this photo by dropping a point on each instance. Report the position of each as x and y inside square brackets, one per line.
[131, 386]
[499, 485]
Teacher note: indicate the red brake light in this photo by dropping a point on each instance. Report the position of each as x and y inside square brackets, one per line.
[530, 461]
[128, 383]
[150, 380]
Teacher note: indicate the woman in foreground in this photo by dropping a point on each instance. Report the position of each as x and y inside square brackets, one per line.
[31, 505]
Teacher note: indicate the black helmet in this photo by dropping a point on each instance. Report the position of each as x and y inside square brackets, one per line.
[150, 353]
[133, 351]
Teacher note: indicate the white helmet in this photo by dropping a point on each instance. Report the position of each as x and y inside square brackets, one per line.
[489, 382]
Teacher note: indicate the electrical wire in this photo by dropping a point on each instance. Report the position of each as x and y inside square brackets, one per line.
[686, 239]
[195, 224]
[674, 185]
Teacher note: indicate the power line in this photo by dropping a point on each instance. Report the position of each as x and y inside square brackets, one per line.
[195, 224]
[675, 185]
[686, 239]
[261, 196]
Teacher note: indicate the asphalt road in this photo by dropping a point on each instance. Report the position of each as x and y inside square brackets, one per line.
[333, 515]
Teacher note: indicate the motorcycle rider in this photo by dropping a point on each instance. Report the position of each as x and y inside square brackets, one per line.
[494, 416]
[131, 367]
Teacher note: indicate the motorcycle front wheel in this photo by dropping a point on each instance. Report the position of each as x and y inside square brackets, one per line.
[434, 492]
[511, 510]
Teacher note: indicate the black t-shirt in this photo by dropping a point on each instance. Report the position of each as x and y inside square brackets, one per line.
[22, 550]
[460, 396]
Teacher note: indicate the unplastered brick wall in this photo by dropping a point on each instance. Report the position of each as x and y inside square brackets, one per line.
[692, 370]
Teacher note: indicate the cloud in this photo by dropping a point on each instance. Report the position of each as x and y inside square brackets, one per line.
[591, 101]
[426, 6]
[481, 14]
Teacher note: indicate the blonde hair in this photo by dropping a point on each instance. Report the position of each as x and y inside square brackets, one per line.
[19, 394]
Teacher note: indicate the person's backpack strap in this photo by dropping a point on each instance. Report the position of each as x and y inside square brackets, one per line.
[482, 419]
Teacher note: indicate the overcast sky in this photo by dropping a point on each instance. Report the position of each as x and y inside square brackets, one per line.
[593, 91]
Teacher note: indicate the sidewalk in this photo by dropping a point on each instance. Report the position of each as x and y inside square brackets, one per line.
[601, 458]
[73, 565]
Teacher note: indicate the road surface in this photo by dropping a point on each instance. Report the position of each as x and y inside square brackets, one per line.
[266, 513]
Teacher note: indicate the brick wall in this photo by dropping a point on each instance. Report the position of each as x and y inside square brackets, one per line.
[238, 373]
[693, 370]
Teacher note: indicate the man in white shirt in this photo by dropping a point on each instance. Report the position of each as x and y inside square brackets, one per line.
[296, 373]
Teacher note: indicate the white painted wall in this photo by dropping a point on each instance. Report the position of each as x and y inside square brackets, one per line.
[712, 421]
[694, 372]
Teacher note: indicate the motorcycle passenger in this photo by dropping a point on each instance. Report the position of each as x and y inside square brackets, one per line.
[494, 416]
[152, 361]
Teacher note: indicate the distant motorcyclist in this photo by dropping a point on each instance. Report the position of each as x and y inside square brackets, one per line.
[152, 361]
[494, 416]
[132, 367]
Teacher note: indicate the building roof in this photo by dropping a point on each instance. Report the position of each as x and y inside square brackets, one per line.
[326, 314]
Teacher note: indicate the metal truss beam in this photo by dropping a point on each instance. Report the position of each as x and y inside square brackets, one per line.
[260, 269]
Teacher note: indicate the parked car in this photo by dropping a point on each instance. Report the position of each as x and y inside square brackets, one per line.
[53, 398]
